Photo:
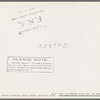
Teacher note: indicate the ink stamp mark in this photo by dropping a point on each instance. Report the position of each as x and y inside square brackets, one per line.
[29, 20]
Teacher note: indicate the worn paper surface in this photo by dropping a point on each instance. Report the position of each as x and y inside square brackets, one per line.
[49, 49]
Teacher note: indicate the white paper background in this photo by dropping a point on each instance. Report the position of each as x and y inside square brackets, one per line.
[76, 68]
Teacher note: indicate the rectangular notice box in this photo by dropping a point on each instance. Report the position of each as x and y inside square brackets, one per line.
[30, 64]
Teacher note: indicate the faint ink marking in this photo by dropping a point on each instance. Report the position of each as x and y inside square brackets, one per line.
[53, 45]
[32, 28]
[27, 15]
[26, 10]
[30, 21]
